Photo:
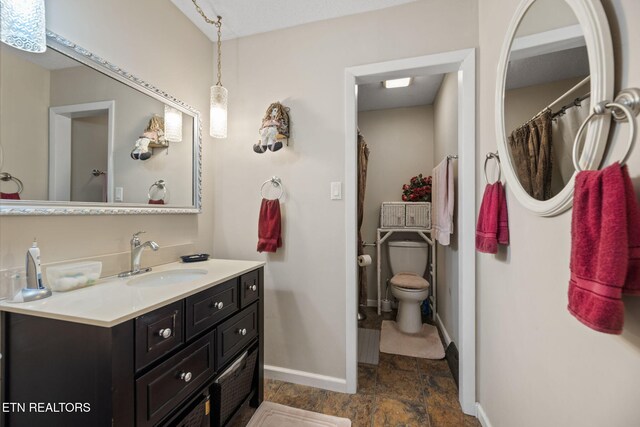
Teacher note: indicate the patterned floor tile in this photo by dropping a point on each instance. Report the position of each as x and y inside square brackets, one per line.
[390, 412]
[299, 396]
[399, 384]
[356, 407]
[433, 367]
[398, 363]
[271, 388]
[367, 379]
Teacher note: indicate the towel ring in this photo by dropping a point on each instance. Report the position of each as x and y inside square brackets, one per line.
[486, 160]
[276, 182]
[6, 176]
[160, 185]
[599, 110]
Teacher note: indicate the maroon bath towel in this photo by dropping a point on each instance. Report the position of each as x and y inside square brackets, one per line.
[493, 220]
[10, 196]
[604, 248]
[269, 239]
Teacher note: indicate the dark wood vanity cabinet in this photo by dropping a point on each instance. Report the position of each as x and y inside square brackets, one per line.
[142, 372]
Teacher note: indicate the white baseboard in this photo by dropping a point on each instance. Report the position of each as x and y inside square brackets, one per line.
[482, 416]
[445, 334]
[305, 378]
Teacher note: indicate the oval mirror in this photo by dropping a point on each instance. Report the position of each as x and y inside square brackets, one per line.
[556, 65]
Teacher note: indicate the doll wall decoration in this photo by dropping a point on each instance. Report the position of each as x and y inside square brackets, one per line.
[274, 129]
[153, 136]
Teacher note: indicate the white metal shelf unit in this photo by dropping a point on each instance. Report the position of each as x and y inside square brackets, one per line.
[382, 235]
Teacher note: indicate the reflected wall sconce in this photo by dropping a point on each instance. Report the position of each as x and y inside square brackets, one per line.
[219, 94]
[172, 124]
[22, 25]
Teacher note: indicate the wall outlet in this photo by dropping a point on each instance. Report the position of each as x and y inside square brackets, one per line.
[119, 194]
[336, 191]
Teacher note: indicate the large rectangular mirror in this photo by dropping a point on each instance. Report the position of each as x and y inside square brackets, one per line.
[79, 135]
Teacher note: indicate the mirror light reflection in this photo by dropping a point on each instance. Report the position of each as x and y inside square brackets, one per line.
[546, 96]
[72, 134]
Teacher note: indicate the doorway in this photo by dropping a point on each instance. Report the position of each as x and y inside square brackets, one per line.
[463, 64]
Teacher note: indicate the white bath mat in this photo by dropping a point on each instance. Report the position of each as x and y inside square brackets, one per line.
[368, 346]
[425, 344]
[271, 414]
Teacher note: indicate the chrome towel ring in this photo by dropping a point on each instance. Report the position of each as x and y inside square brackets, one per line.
[276, 182]
[6, 176]
[599, 110]
[496, 157]
[160, 185]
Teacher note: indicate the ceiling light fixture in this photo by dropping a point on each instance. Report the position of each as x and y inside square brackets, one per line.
[218, 94]
[392, 84]
[22, 25]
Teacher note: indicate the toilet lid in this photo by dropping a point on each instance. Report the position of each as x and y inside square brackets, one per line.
[409, 281]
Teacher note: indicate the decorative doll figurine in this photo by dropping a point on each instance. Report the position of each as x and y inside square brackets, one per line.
[274, 129]
[153, 134]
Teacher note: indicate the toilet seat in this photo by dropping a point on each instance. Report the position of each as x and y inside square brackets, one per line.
[409, 282]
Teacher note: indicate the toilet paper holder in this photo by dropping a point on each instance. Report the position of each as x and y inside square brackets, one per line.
[365, 244]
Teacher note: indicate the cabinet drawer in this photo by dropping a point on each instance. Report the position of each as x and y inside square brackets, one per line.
[160, 390]
[249, 288]
[211, 306]
[235, 333]
[158, 332]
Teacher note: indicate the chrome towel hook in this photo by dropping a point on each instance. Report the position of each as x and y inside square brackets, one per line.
[625, 107]
[6, 176]
[276, 182]
[490, 156]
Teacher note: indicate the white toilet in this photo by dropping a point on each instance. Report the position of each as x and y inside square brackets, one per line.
[408, 261]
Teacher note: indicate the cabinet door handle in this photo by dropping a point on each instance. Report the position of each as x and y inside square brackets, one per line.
[252, 287]
[165, 333]
[185, 376]
[242, 331]
[218, 305]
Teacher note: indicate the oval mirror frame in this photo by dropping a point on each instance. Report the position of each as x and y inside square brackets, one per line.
[593, 21]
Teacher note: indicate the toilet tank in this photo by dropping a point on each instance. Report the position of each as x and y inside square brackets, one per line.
[406, 256]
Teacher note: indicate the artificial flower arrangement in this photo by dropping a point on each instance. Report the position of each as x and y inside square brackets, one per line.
[418, 189]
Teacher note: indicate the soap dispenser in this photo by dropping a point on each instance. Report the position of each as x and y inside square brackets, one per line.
[35, 289]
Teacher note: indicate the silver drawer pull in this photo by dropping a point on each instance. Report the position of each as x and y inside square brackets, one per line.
[185, 376]
[218, 305]
[165, 333]
[252, 287]
[242, 331]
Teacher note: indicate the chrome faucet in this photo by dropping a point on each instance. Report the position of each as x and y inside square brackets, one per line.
[136, 252]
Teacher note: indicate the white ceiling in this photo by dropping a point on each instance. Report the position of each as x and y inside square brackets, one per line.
[421, 91]
[548, 67]
[246, 17]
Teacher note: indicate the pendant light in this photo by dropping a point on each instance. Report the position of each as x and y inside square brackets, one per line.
[22, 25]
[218, 94]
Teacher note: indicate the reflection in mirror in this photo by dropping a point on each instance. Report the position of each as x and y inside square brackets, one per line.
[546, 96]
[70, 133]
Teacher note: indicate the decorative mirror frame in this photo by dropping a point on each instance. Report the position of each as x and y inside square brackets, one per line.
[44, 207]
[595, 27]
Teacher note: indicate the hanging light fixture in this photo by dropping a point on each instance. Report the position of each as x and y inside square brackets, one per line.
[219, 94]
[22, 24]
[172, 124]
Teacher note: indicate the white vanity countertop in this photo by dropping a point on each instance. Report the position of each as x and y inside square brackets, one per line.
[112, 301]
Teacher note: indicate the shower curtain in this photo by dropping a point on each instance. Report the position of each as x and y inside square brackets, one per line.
[564, 130]
[363, 160]
[530, 147]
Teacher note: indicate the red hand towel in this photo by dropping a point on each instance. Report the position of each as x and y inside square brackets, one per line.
[632, 283]
[493, 224]
[269, 239]
[156, 202]
[10, 196]
[599, 249]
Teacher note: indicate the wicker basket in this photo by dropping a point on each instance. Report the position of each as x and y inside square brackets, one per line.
[392, 215]
[418, 215]
[229, 393]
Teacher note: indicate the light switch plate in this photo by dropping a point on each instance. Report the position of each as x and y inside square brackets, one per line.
[336, 191]
[119, 194]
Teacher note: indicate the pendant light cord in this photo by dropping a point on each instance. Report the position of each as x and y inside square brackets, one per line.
[218, 25]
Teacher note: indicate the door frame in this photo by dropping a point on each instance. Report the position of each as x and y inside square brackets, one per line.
[463, 62]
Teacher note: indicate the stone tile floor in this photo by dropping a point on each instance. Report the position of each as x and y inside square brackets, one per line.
[400, 392]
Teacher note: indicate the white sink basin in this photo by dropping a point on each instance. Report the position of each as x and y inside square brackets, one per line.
[169, 277]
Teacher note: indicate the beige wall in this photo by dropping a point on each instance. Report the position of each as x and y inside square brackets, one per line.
[177, 61]
[400, 141]
[537, 365]
[446, 143]
[24, 87]
[303, 67]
